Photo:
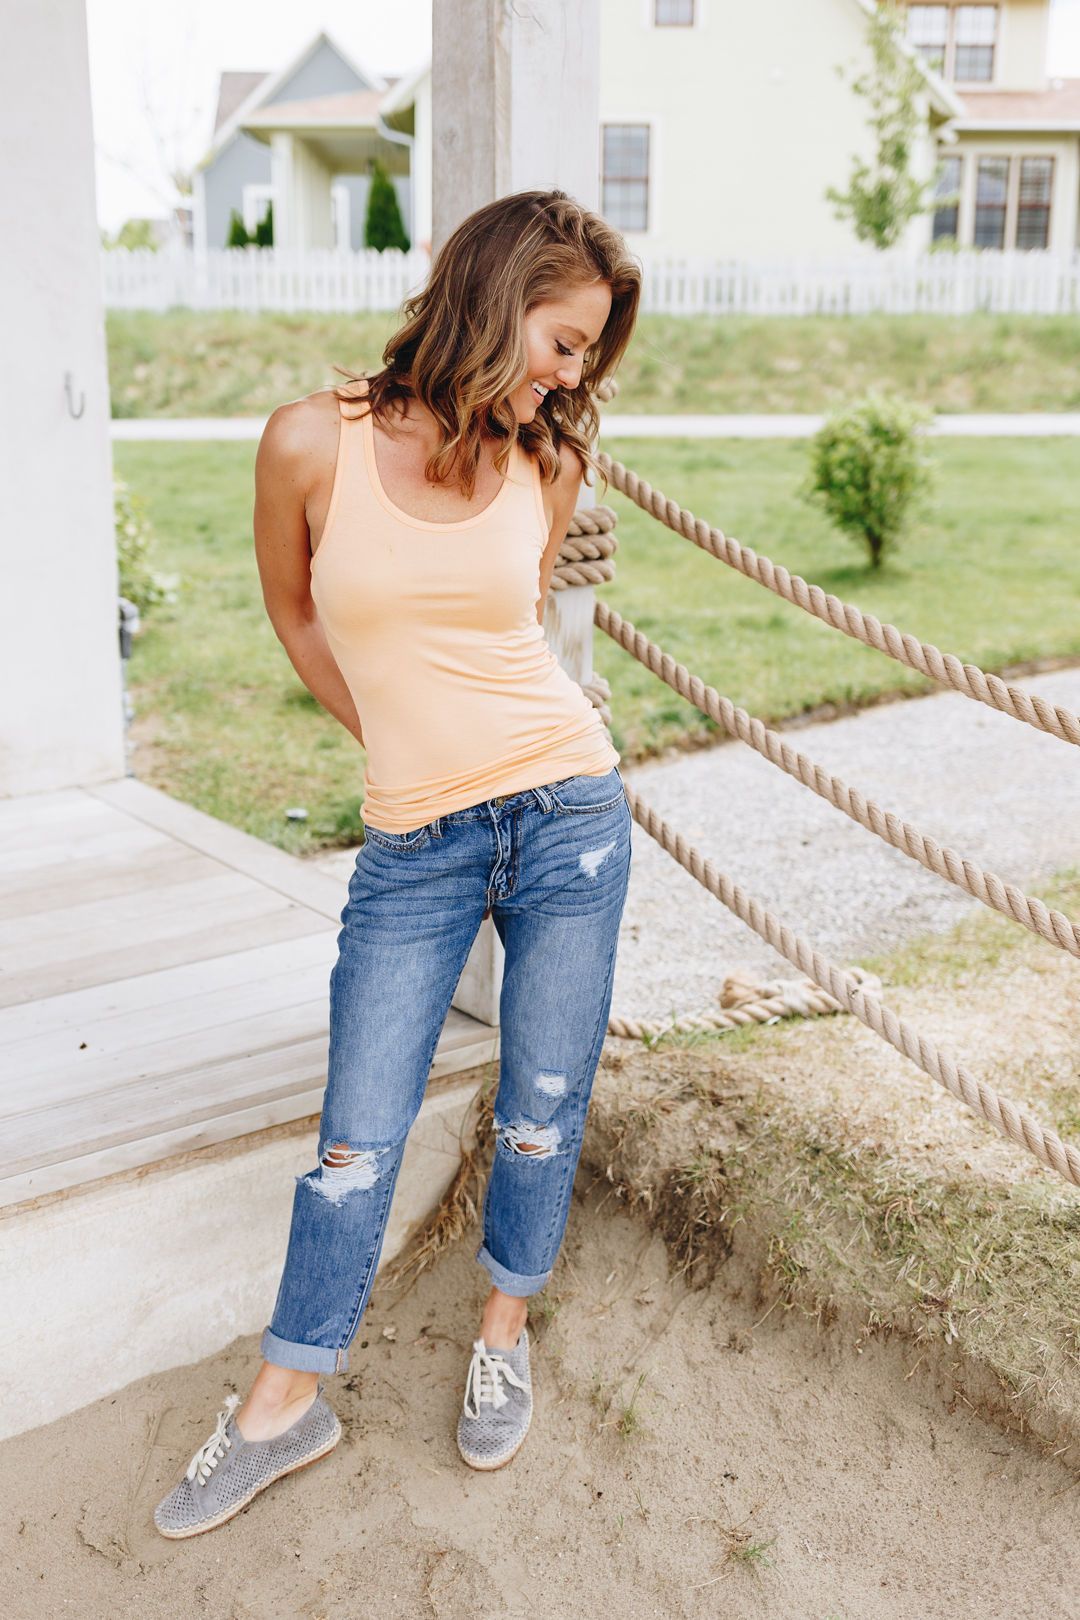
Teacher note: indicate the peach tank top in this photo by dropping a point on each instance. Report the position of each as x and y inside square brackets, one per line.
[434, 628]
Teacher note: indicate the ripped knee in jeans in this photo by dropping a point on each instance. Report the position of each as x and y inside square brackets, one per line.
[344, 1169]
[538, 1141]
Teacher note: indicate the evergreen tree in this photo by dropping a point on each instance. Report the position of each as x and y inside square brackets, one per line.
[882, 198]
[238, 236]
[264, 230]
[383, 226]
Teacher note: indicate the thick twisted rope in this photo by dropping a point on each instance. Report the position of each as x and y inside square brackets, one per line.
[750, 1002]
[922, 656]
[587, 555]
[1011, 1121]
[983, 885]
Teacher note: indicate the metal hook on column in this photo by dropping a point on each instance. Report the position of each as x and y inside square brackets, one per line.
[70, 399]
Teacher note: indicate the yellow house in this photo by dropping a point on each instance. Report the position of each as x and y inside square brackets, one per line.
[723, 124]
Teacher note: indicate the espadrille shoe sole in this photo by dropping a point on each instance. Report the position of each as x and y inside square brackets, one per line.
[238, 1507]
[485, 1465]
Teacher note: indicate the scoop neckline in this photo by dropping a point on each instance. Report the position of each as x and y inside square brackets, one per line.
[367, 426]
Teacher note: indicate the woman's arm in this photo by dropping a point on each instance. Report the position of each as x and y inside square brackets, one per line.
[564, 493]
[291, 451]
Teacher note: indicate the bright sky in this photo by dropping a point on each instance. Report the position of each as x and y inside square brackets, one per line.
[167, 58]
[154, 73]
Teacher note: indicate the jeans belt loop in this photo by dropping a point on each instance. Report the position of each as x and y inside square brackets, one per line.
[543, 798]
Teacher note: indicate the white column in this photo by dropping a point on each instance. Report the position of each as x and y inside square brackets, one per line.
[283, 180]
[301, 182]
[61, 720]
[314, 224]
[516, 106]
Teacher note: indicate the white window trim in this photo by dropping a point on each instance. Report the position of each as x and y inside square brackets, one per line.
[648, 11]
[253, 204]
[961, 158]
[948, 71]
[653, 125]
[1012, 197]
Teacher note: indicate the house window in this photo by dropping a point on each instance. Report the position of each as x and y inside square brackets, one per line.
[625, 176]
[947, 197]
[956, 41]
[976, 33]
[991, 198]
[673, 13]
[928, 32]
[1033, 205]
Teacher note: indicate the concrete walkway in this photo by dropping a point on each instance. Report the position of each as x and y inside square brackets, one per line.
[991, 788]
[1031, 424]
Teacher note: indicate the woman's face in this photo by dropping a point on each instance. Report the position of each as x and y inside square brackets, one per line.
[557, 333]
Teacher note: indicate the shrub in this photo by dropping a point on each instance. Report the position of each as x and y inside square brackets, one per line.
[140, 581]
[238, 236]
[868, 468]
[383, 225]
[264, 230]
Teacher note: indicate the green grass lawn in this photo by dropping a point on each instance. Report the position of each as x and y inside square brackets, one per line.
[991, 573]
[187, 363]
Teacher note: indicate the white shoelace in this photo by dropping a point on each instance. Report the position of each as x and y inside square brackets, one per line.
[484, 1382]
[209, 1455]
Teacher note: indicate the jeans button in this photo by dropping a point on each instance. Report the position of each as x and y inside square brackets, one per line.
[501, 799]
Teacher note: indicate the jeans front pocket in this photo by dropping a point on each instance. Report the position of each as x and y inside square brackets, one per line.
[587, 795]
[404, 842]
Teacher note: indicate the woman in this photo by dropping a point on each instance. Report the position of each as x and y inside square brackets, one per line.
[406, 530]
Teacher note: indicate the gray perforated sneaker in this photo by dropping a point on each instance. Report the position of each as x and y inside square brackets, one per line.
[497, 1408]
[228, 1471]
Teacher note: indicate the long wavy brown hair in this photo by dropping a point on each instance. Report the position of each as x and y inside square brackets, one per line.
[462, 348]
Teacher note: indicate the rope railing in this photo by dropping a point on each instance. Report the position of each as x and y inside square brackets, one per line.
[982, 885]
[922, 656]
[1011, 1121]
[587, 555]
[750, 1002]
[828, 988]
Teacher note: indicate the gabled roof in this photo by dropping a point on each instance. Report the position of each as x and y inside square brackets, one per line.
[403, 91]
[343, 110]
[1056, 107]
[234, 88]
[270, 83]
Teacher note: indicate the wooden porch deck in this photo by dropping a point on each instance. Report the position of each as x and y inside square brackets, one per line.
[163, 986]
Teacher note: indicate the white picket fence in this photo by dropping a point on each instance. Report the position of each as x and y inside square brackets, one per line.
[330, 281]
[255, 279]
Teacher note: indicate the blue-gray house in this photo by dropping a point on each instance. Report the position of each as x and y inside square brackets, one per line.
[304, 138]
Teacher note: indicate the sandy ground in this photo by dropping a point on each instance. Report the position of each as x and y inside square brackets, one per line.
[776, 1471]
[772, 1469]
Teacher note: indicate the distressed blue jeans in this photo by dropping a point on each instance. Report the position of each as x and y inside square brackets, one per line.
[552, 864]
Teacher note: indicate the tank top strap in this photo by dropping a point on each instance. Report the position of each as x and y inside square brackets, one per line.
[345, 406]
[349, 486]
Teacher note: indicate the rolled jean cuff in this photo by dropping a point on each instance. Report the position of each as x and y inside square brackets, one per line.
[511, 1282]
[317, 1358]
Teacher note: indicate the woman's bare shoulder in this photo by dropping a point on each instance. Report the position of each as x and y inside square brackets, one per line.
[299, 434]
